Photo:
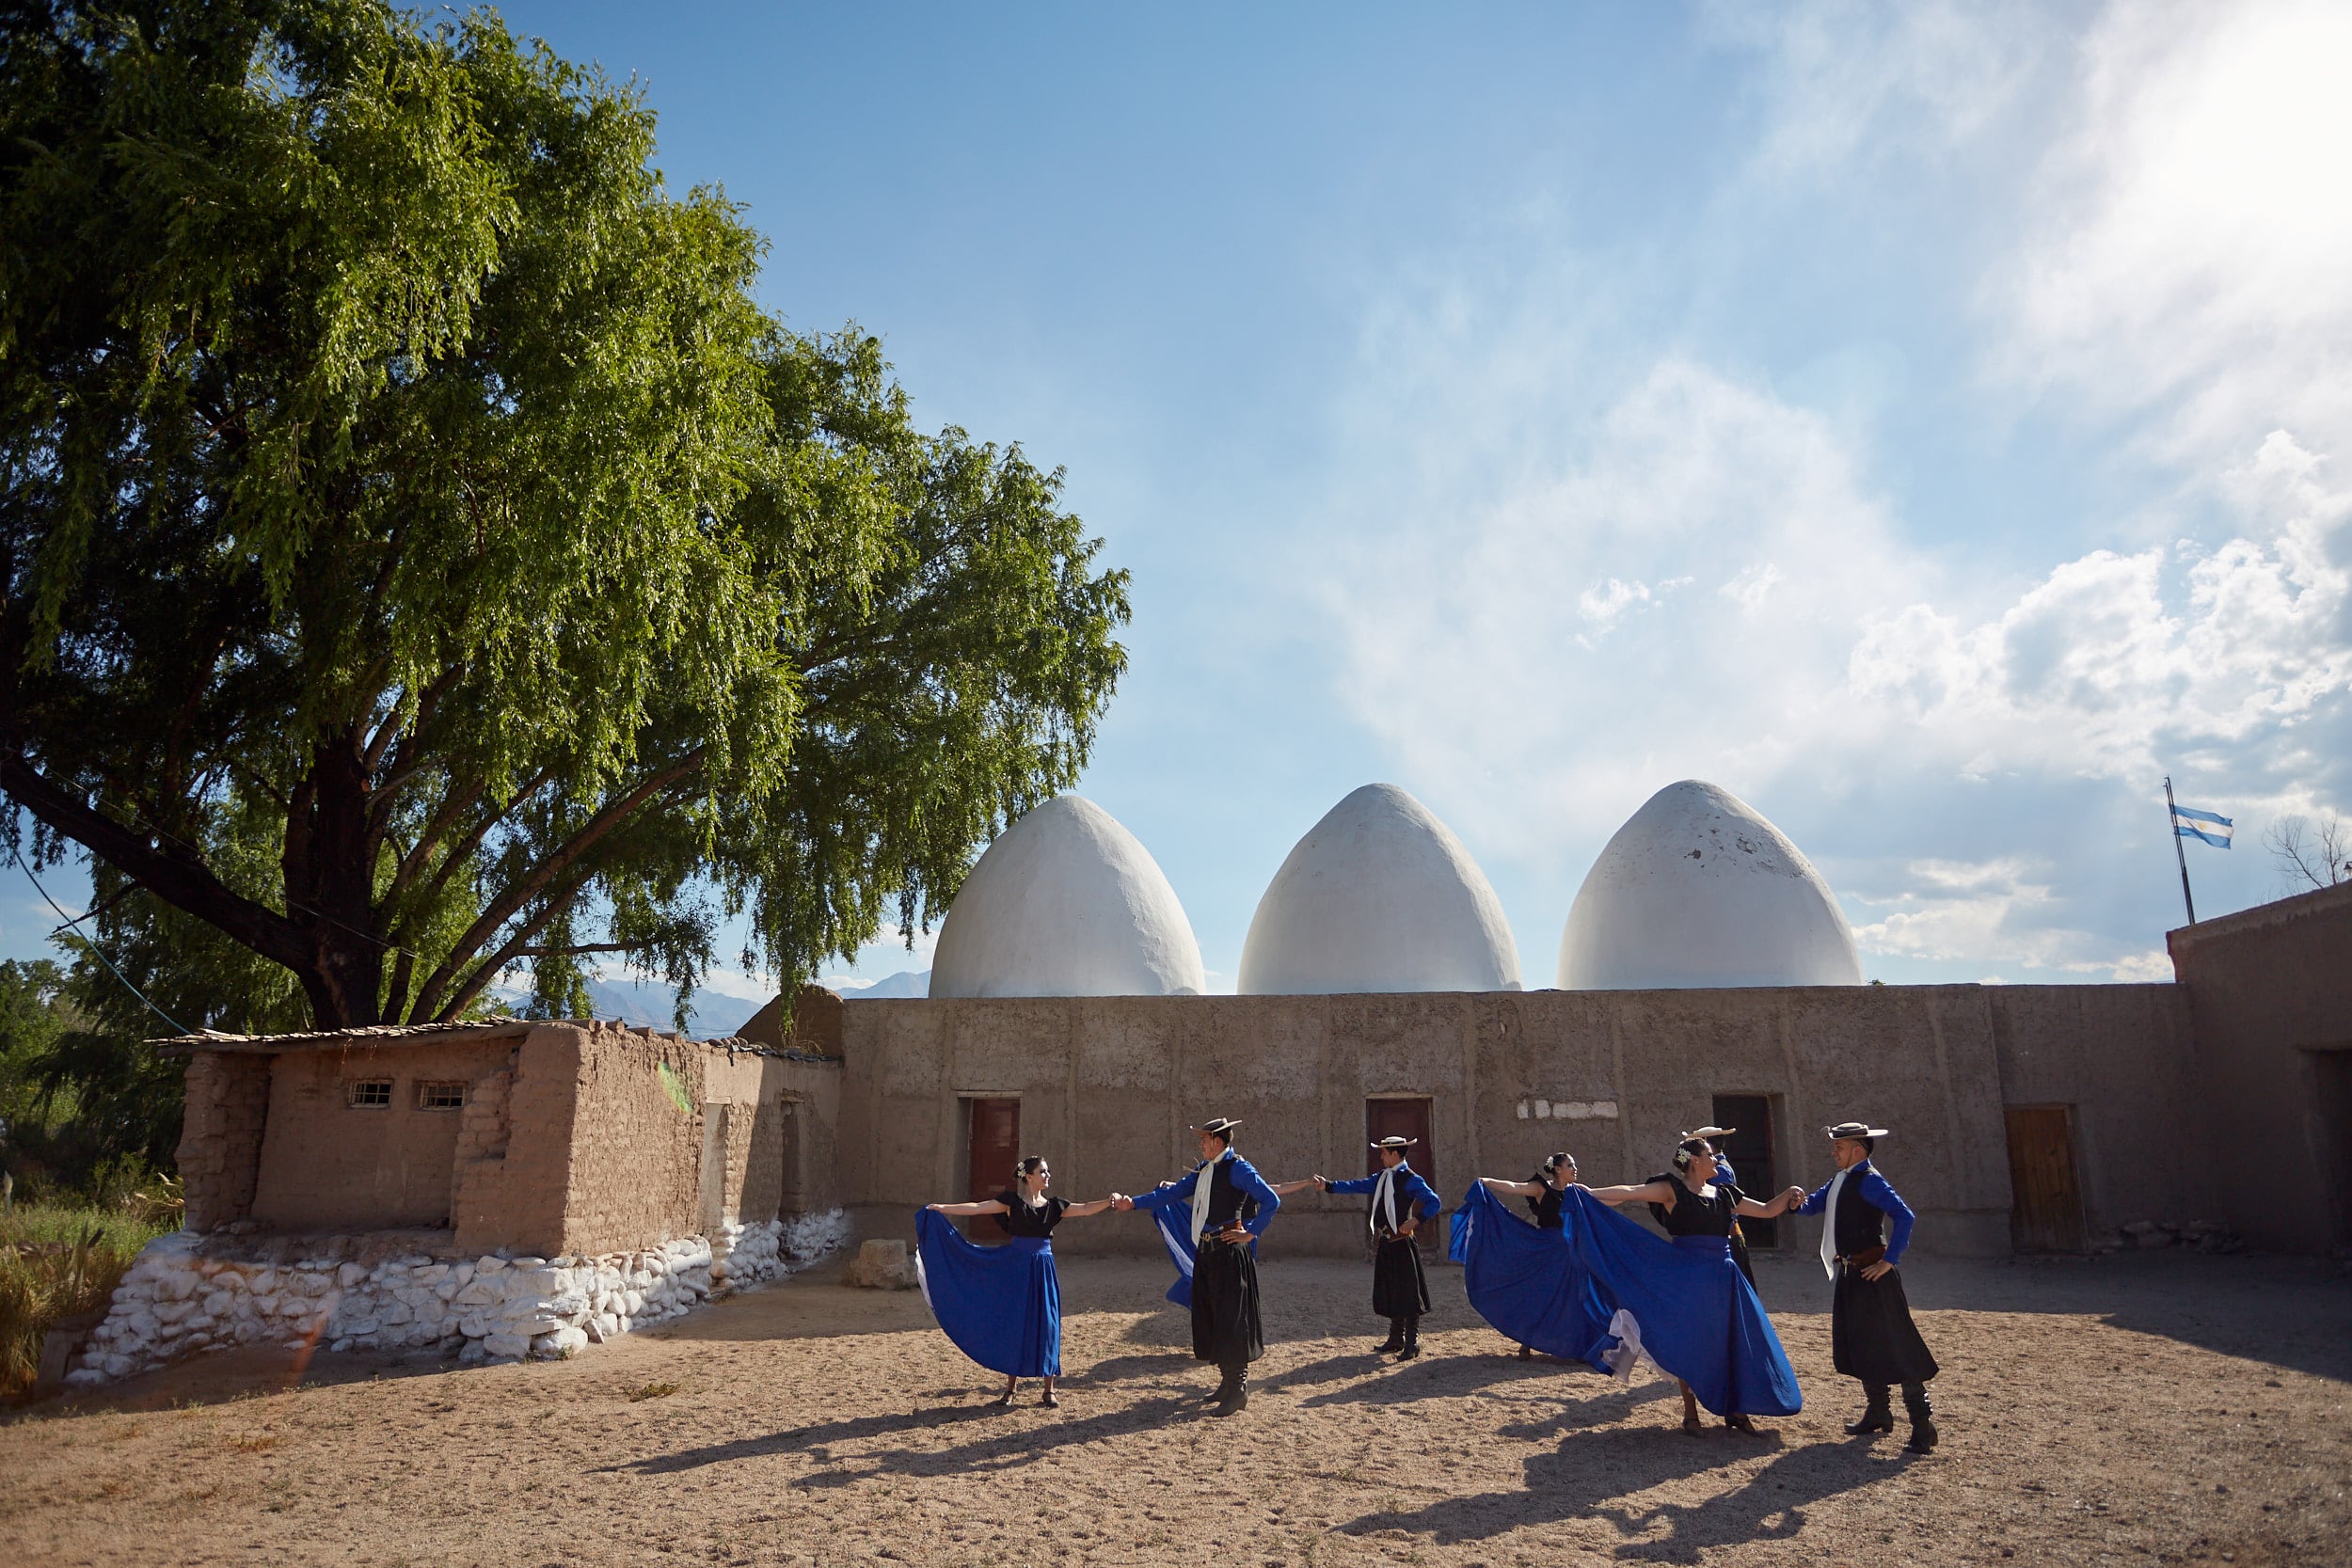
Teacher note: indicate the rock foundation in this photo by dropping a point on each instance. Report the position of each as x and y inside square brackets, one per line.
[190, 1292]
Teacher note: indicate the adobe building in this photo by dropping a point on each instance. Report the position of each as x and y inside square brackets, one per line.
[512, 1187]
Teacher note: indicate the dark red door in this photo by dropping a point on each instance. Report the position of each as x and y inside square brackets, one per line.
[1406, 1119]
[995, 1139]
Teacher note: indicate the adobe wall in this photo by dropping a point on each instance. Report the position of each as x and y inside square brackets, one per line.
[635, 1146]
[1108, 1085]
[2270, 998]
[2123, 1058]
[225, 1107]
[327, 1165]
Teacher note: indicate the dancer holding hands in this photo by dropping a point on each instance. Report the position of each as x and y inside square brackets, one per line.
[1002, 1306]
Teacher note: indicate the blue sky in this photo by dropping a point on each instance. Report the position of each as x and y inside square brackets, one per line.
[1926, 423]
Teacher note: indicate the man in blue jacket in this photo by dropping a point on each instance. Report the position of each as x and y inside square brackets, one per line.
[1401, 1200]
[1231, 1207]
[1871, 1335]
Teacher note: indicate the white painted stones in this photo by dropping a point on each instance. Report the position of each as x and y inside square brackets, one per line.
[1378, 897]
[1067, 902]
[1696, 890]
[177, 1300]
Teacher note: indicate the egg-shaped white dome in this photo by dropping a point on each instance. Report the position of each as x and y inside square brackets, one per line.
[1378, 897]
[1698, 890]
[1066, 903]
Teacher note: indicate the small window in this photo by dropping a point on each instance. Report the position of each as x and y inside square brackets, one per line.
[370, 1094]
[442, 1096]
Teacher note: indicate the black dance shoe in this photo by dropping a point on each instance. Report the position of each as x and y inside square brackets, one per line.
[1922, 1435]
[1876, 1418]
[1739, 1423]
[1408, 1351]
[1527, 1352]
[1236, 1398]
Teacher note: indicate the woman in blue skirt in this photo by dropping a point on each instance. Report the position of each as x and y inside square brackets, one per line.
[1697, 1316]
[1002, 1306]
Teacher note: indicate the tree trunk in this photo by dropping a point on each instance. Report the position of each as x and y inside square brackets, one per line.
[331, 888]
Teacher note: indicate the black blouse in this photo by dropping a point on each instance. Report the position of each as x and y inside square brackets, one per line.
[1693, 1215]
[1021, 1219]
[1546, 1204]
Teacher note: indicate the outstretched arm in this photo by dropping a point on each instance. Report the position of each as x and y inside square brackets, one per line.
[1750, 1209]
[1080, 1211]
[1524, 1189]
[1178, 1191]
[1649, 1192]
[1286, 1188]
[961, 1210]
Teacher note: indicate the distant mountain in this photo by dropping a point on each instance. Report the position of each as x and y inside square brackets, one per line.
[907, 982]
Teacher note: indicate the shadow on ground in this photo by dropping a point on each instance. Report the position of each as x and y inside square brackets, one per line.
[1594, 1475]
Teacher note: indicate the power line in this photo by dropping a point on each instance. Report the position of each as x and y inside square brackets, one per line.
[176, 1026]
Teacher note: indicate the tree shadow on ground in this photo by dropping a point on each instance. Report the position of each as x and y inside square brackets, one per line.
[1593, 1473]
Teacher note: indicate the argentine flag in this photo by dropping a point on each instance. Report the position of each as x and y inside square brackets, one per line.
[2202, 825]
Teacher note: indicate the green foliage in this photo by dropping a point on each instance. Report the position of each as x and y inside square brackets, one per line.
[423, 558]
[57, 1261]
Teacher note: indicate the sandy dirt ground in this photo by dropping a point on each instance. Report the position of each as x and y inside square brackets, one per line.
[2147, 1408]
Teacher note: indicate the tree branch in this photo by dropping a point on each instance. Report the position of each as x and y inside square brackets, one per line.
[175, 878]
[524, 888]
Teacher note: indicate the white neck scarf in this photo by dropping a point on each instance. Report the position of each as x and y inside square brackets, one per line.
[1200, 1194]
[1384, 1200]
[1829, 1221]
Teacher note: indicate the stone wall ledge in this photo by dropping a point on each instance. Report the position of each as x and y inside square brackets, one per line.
[189, 1293]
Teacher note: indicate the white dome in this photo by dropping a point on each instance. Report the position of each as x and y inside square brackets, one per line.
[1698, 890]
[1378, 897]
[1066, 903]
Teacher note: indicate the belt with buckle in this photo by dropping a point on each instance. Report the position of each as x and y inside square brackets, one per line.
[1864, 1259]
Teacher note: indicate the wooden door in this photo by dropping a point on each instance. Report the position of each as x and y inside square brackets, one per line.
[1750, 1149]
[994, 1136]
[1406, 1119]
[2047, 1203]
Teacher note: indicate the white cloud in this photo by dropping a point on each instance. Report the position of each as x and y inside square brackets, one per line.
[1847, 83]
[2004, 908]
[2187, 249]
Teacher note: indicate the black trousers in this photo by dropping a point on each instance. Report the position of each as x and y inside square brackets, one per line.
[1871, 1335]
[1226, 1329]
[1399, 1289]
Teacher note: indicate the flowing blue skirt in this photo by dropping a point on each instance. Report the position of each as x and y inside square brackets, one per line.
[1521, 1279]
[1698, 1318]
[1000, 1305]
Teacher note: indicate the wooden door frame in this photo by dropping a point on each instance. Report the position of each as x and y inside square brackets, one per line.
[959, 1172]
[1776, 1155]
[2074, 1161]
[1431, 1236]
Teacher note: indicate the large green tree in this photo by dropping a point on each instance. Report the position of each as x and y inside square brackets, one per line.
[424, 558]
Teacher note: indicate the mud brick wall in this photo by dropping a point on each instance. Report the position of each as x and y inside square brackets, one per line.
[329, 1165]
[634, 1151]
[220, 1137]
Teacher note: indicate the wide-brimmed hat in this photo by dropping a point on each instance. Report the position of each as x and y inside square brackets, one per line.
[1709, 1132]
[1221, 1126]
[1392, 1141]
[1856, 1130]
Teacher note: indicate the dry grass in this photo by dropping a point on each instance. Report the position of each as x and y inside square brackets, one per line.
[56, 1261]
[649, 1392]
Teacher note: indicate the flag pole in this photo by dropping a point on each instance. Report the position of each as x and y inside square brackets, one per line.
[2174, 822]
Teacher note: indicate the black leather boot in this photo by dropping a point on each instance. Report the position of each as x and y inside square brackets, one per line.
[1879, 1416]
[1223, 1391]
[1412, 1340]
[1395, 1341]
[1922, 1414]
[1236, 1397]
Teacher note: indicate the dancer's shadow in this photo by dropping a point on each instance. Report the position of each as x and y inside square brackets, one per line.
[1452, 1376]
[1592, 1471]
[1014, 1441]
